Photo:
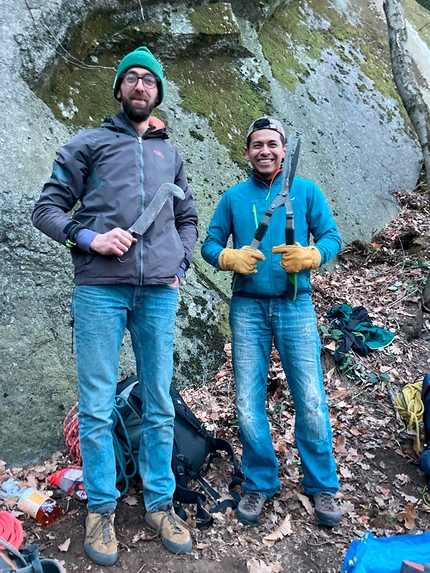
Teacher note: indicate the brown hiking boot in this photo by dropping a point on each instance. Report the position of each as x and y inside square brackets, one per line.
[174, 532]
[100, 542]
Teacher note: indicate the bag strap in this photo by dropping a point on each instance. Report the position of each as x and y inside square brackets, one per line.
[31, 555]
[28, 561]
[15, 553]
[183, 494]
[223, 445]
[188, 496]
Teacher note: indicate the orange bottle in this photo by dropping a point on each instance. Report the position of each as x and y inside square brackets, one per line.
[31, 501]
[36, 504]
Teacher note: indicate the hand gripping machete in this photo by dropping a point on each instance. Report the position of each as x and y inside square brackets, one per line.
[142, 224]
[282, 198]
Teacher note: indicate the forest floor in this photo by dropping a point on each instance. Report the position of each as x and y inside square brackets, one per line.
[376, 453]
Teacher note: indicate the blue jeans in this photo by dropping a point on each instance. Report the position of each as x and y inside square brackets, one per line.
[254, 324]
[101, 314]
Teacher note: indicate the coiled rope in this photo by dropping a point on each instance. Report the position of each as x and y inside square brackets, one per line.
[125, 462]
[71, 434]
[410, 406]
[11, 529]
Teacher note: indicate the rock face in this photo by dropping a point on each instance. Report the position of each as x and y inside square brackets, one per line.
[320, 67]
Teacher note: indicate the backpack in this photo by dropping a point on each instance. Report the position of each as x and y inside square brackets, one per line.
[193, 448]
[27, 561]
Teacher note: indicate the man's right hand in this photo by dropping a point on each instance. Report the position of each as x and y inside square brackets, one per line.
[242, 261]
[115, 242]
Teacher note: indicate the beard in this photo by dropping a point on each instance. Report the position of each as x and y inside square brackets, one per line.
[137, 113]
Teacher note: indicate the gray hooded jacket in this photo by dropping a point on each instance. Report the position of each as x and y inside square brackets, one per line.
[112, 174]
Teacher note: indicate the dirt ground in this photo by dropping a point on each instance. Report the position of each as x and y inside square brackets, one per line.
[381, 485]
[230, 547]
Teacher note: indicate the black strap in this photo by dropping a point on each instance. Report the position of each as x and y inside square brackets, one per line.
[183, 494]
[189, 496]
[359, 315]
[71, 230]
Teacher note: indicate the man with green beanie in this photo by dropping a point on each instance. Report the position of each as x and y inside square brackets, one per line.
[124, 281]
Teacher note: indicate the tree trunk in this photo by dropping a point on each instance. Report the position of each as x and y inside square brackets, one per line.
[405, 79]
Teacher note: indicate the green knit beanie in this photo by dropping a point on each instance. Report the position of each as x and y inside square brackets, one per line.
[142, 58]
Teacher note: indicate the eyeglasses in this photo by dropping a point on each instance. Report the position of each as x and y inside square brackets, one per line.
[131, 79]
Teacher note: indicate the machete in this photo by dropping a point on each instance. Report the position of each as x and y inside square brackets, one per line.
[142, 224]
[167, 190]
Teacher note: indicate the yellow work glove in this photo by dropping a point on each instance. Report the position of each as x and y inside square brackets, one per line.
[296, 258]
[242, 261]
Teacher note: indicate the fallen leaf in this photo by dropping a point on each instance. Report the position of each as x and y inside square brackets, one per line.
[403, 478]
[340, 445]
[306, 503]
[283, 530]
[345, 472]
[409, 516]
[255, 566]
[64, 546]
[340, 393]
[409, 498]
[143, 536]
[364, 519]
[347, 507]
[131, 500]
[191, 521]
[329, 374]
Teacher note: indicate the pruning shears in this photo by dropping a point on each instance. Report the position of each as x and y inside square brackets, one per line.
[282, 198]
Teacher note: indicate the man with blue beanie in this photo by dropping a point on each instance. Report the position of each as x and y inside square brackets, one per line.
[261, 314]
[124, 281]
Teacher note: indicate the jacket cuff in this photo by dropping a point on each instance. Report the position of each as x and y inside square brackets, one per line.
[183, 267]
[84, 238]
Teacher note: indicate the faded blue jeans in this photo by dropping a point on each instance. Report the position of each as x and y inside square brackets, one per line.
[255, 323]
[101, 315]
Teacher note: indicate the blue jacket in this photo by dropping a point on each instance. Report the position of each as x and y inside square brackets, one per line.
[239, 212]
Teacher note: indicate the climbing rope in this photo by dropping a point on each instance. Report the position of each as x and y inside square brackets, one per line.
[410, 406]
[71, 434]
[11, 529]
[125, 461]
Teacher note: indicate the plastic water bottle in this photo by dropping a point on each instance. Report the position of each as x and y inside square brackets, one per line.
[31, 501]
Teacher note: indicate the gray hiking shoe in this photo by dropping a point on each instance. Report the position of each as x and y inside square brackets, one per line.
[249, 509]
[326, 509]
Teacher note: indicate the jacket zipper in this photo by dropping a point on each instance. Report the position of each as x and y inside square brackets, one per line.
[142, 191]
[254, 210]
